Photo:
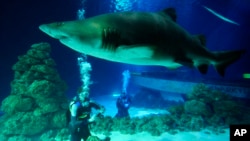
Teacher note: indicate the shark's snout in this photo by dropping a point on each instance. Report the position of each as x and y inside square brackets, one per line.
[45, 28]
[42, 27]
[51, 31]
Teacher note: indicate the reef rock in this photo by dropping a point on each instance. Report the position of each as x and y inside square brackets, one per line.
[37, 95]
[196, 107]
[206, 108]
[25, 123]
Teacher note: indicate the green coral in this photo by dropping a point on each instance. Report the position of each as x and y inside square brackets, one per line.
[227, 108]
[206, 107]
[19, 138]
[48, 136]
[3, 138]
[55, 135]
[24, 123]
[18, 103]
[58, 120]
[155, 125]
[202, 93]
[37, 95]
[196, 107]
[62, 135]
[93, 138]
[41, 89]
[103, 125]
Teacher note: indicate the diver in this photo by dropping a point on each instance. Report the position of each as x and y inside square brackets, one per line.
[123, 104]
[81, 115]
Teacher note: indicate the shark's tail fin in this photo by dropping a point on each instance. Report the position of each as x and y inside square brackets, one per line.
[224, 59]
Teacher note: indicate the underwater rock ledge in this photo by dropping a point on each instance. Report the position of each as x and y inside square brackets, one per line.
[34, 104]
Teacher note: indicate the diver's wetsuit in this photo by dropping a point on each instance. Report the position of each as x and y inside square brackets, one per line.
[79, 125]
[123, 104]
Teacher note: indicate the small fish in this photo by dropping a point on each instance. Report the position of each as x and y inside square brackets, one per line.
[220, 16]
[140, 38]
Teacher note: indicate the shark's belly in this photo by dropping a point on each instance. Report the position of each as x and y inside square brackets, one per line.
[136, 55]
[152, 62]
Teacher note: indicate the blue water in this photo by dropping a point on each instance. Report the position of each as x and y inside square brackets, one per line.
[21, 19]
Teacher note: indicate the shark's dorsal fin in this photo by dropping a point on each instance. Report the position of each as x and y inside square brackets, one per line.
[171, 13]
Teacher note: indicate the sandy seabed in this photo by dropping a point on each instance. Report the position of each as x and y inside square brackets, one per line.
[180, 136]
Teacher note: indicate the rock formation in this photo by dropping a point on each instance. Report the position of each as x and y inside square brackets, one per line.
[37, 99]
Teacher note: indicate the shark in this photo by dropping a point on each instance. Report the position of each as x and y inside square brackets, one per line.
[140, 38]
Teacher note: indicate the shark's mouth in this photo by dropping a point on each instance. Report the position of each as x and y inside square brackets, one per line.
[64, 39]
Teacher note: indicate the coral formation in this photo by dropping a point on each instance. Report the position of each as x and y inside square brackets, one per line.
[36, 98]
[209, 108]
[156, 125]
[204, 108]
[93, 138]
[196, 107]
[55, 135]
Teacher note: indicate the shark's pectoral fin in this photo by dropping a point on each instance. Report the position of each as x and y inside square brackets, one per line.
[188, 62]
[203, 68]
[184, 61]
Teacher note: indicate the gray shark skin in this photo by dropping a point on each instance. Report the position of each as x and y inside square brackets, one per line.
[140, 38]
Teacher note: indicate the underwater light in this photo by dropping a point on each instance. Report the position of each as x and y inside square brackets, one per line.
[246, 75]
[123, 5]
[116, 94]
